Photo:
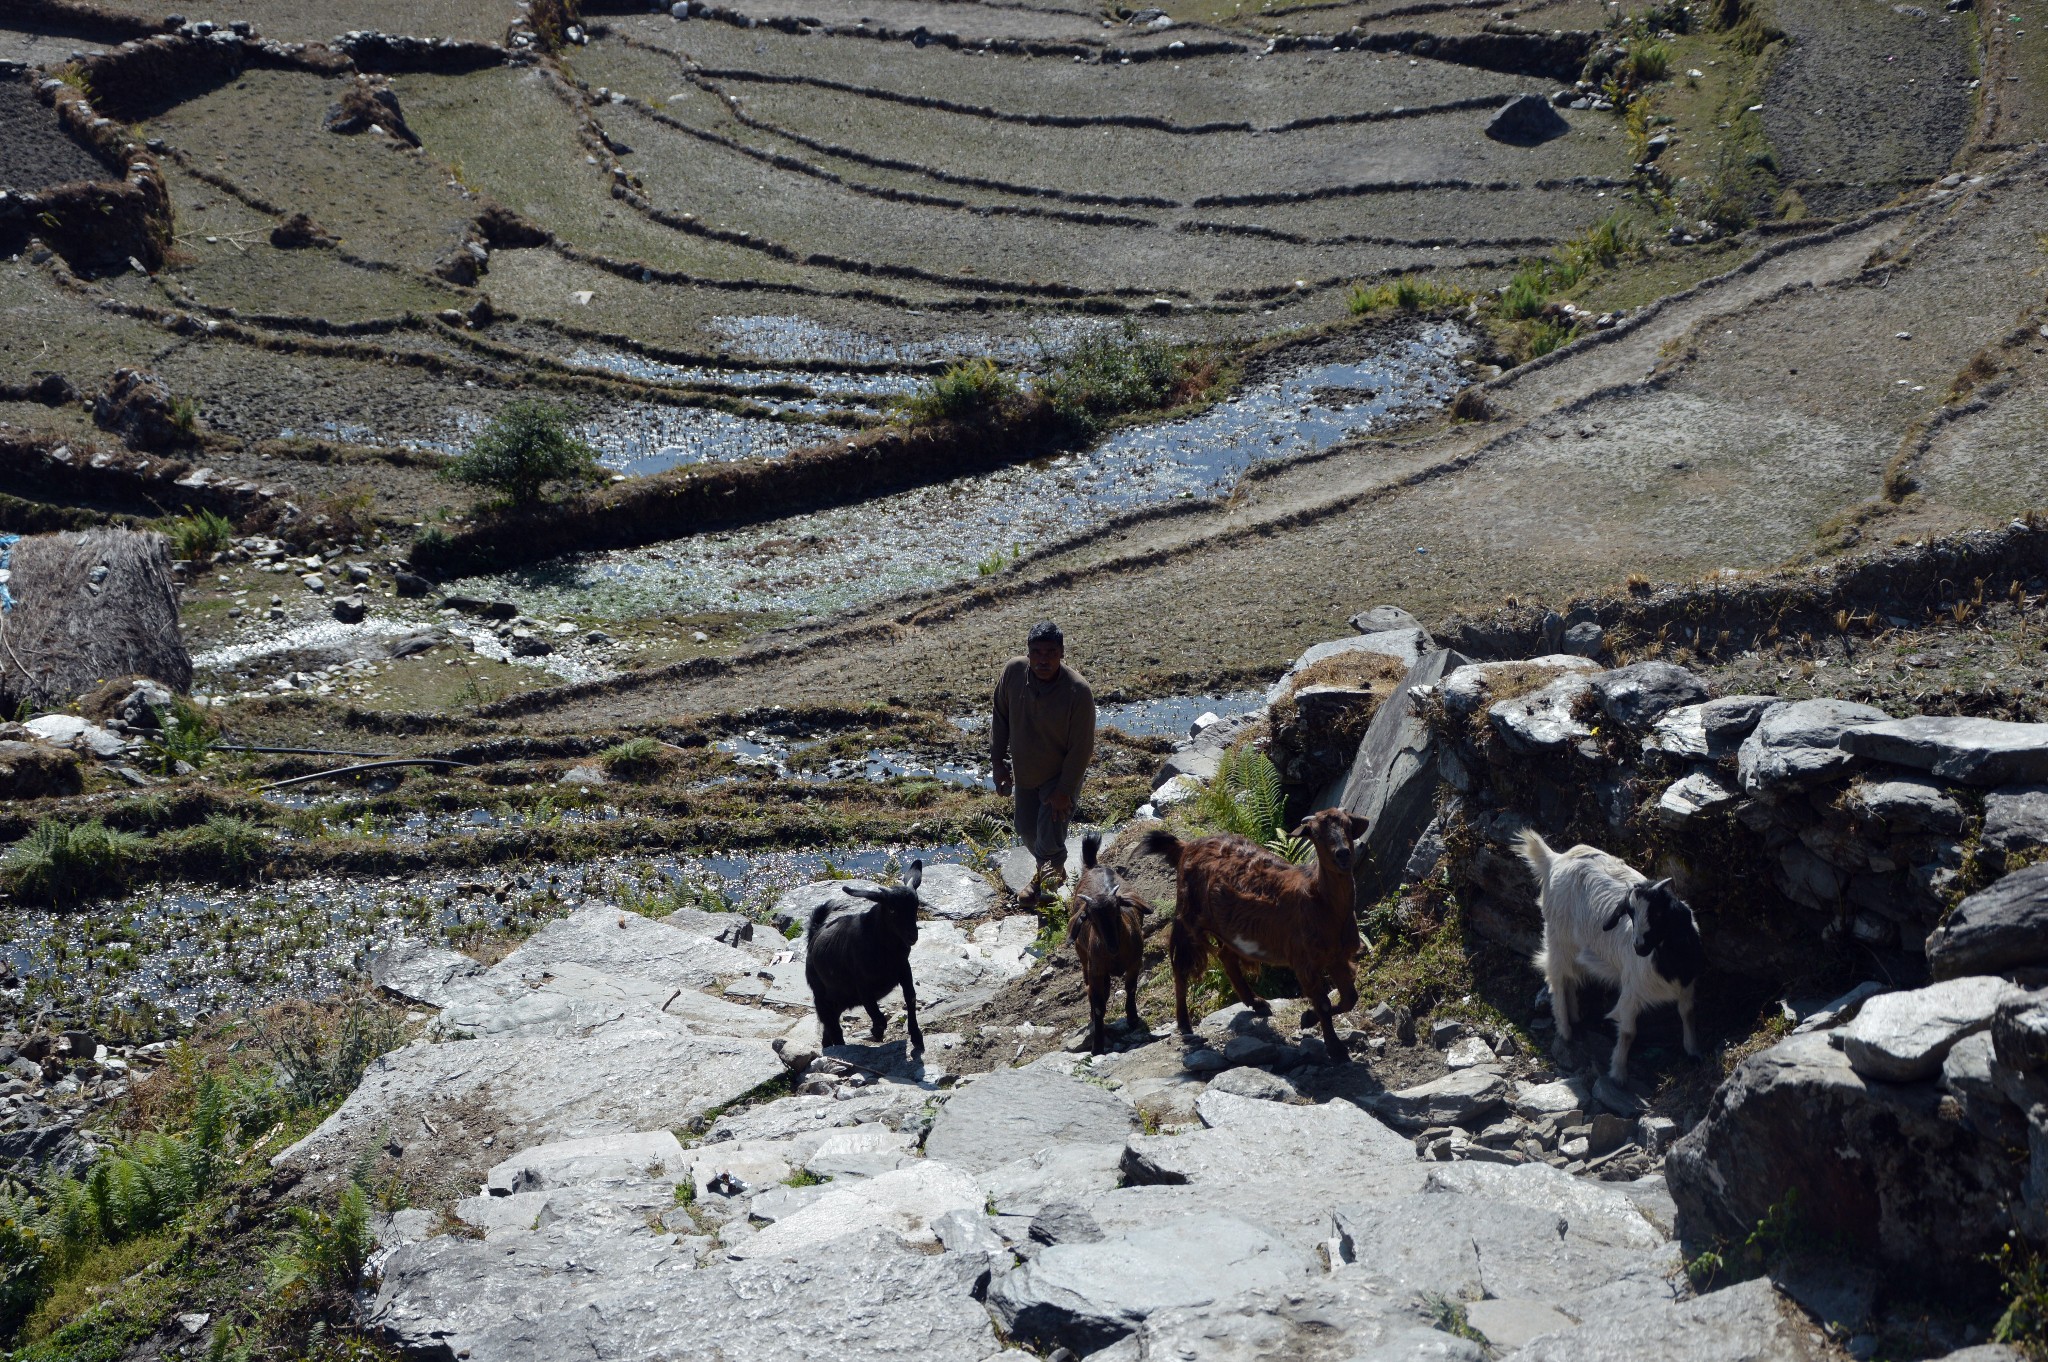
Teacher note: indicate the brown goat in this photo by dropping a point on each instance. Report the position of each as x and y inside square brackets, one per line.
[1261, 910]
[1107, 929]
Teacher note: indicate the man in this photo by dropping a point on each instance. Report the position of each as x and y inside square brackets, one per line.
[1040, 738]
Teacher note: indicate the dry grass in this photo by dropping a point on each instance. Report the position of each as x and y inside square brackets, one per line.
[88, 607]
[1352, 671]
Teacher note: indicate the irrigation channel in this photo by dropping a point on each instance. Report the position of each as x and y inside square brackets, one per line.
[179, 951]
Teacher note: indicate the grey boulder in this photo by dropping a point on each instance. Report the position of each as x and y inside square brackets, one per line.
[1381, 618]
[1903, 1037]
[1709, 731]
[1545, 721]
[1392, 782]
[1697, 793]
[1402, 647]
[1970, 751]
[1922, 1199]
[2015, 819]
[1525, 121]
[2004, 927]
[1907, 804]
[1456, 1099]
[954, 891]
[1798, 744]
[1637, 696]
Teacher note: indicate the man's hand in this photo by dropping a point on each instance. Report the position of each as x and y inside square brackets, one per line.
[1002, 775]
[1061, 803]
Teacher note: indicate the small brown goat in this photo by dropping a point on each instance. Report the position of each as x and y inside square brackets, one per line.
[1259, 909]
[1107, 930]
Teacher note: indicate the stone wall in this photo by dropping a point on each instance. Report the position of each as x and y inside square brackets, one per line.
[1802, 832]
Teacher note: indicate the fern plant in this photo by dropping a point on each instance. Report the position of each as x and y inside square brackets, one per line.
[328, 1252]
[1245, 798]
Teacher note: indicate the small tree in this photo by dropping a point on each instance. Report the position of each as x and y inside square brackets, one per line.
[527, 446]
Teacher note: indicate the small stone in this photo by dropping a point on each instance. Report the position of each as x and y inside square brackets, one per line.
[350, 609]
[1469, 1052]
[313, 582]
[1525, 121]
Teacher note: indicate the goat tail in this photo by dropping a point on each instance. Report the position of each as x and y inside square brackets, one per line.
[818, 916]
[1090, 844]
[1537, 853]
[1160, 842]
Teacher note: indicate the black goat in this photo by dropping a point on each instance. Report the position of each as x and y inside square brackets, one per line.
[853, 957]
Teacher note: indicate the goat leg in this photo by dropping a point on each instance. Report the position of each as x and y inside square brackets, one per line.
[1185, 949]
[1560, 998]
[830, 1033]
[910, 1012]
[1098, 1004]
[1624, 1015]
[1692, 1040]
[1131, 1000]
[877, 1023]
[1233, 968]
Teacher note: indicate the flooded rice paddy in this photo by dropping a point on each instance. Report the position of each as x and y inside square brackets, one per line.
[815, 564]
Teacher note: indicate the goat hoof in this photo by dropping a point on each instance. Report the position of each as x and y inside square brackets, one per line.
[1262, 1008]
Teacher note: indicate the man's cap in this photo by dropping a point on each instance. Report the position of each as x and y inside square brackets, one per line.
[1045, 631]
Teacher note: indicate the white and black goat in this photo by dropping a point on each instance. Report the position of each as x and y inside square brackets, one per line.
[855, 957]
[1605, 921]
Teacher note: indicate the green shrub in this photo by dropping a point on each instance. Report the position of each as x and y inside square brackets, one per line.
[200, 536]
[323, 1061]
[1525, 295]
[527, 447]
[327, 1252]
[1545, 336]
[1646, 62]
[633, 758]
[61, 862]
[228, 846]
[1113, 373]
[184, 735]
[1409, 293]
[968, 390]
[2024, 1325]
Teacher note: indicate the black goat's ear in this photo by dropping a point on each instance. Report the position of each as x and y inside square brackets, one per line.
[1663, 884]
[915, 877]
[871, 895]
[1621, 910]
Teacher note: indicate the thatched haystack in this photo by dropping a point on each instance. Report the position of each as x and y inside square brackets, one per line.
[82, 608]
